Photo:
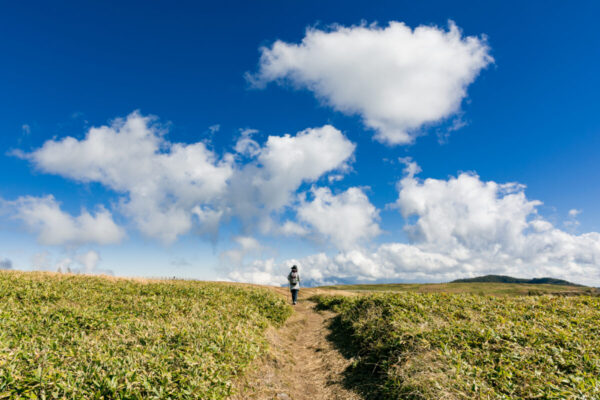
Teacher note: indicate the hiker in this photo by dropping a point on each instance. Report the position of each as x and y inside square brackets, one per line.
[294, 280]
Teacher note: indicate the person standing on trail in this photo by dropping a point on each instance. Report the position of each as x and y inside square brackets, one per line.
[294, 280]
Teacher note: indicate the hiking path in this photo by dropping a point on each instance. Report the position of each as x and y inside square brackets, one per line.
[302, 363]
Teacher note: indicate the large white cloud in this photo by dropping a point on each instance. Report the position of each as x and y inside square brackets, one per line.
[459, 227]
[465, 213]
[489, 227]
[163, 180]
[268, 183]
[346, 220]
[55, 227]
[168, 188]
[396, 78]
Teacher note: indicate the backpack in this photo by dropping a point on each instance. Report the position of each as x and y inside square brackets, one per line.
[294, 278]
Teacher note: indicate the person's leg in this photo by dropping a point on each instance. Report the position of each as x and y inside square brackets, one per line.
[294, 296]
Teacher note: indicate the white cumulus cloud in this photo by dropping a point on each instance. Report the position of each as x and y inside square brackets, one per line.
[55, 227]
[163, 181]
[396, 78]
[464, 212]
[268, 183]
[245, 145]
[460, 227]
[346, 219]
[489, 227]
[166, 188]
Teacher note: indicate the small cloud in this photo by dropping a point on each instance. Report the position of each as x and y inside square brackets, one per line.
[291, 228]
[572, 222]
[245, 145]
[17, 153]
[77, 263]
[335, 178]
[5, 263]
[411, 168]
[89, 261]
[214, 128]
[456, 124]
[26, 129]
[540, 225]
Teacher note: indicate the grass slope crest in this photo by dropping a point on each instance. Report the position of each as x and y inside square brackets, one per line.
[82, 337]
[465, 346]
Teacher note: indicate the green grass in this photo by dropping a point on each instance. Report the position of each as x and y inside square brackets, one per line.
[498, 289]
[74, 337]
[461, 346]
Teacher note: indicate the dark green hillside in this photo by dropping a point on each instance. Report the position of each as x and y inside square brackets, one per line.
[510, 279]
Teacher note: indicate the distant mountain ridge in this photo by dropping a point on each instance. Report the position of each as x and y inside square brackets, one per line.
[510, 279]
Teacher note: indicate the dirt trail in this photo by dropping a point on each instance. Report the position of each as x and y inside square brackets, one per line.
[302, 363]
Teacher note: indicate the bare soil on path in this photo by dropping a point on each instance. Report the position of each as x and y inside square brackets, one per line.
[302, 364]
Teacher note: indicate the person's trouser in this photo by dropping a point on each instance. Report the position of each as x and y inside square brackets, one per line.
[294, 295]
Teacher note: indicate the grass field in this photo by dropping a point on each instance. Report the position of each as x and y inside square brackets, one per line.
[68, 336]
[461, 346]
[508, 289]
[73, 337]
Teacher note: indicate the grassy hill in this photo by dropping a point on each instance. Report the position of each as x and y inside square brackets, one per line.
[482, 288]
[410, 345]
[73, 336]
[69, 336]
[510, 279]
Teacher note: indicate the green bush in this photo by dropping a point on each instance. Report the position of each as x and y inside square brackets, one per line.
[458, 346]
[68, 336]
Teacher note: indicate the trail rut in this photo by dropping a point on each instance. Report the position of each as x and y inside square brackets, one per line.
[302, 364]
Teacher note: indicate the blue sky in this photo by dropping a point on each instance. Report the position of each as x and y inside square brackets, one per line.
[528, 115]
